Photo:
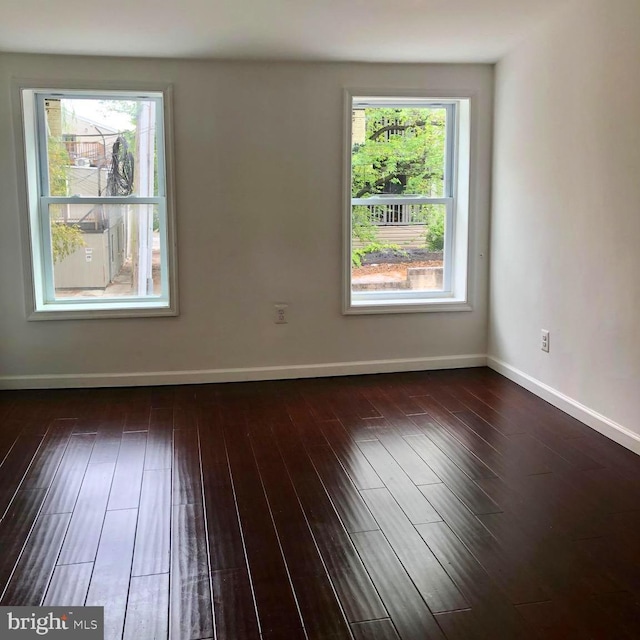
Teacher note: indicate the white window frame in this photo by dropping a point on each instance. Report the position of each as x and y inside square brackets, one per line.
[29, 97]
[454, 296]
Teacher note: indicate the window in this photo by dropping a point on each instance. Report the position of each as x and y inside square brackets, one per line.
[407, 204]
[100, 222]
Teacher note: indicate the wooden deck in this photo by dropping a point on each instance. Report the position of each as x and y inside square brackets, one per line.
[408, 236]
[430, 505]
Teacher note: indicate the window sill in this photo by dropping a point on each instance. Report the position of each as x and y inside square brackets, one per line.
[94, 310]
[415, 305]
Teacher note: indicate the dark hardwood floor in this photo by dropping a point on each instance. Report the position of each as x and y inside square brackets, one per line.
[438, 505]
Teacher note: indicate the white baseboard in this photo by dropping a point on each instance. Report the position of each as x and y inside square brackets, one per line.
[593, 419]
[67, 381]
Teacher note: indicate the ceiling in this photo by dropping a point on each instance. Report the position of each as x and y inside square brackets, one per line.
[353, 30]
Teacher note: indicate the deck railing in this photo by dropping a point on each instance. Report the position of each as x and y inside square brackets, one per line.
[389, 214]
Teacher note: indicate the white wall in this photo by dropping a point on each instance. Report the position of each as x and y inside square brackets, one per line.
[566, 214]
[258, 157]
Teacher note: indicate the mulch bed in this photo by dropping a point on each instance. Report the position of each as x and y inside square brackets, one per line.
[396, 271]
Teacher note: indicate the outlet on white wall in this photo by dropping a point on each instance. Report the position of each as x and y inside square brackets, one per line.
[281, 315]
[544, 344]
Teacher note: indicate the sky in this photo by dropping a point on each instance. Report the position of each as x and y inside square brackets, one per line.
[95, 110]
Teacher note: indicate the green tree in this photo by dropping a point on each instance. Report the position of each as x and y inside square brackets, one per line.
[402, 153]
[65, 238]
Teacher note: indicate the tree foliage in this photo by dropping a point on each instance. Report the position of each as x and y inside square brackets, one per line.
[65, 239]
[402, 153]
[59, 162]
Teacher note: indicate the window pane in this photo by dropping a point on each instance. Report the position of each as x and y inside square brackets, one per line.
[106, 250]
[398, 151]
[398, 247]
[101, 147]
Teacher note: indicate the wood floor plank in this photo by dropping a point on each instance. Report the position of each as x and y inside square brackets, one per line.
[523, 412]
[159, 439]
[615, 558]
[69, 585]
[352, 459]
[161, 397]
[137, 419]
[406, 494]
[355, 403]
[359, 597]
[402, 600]
[374, 630]
[317, 601]
[108, 437]
[226, 549]
[211, 432]
[435, 586]
[395, 394]
[415, 467]
[559, 562]
[37, 562]
[360, 429]
[309, 431]
[497, 452]
[457, 481]
[566, 449]
[153, 533]
[550, 621]
[494, 613]
[276, 604]
[187, 485]
[391, 412]
[109, 584]
[517, 447]
[316, 396]
[621, 611]
[66, 484]
[127, 478]
[83, 535]
[530, 406]
[509, 572]
[494, 418]
[608, 454]
[11, 429]
[460, 625]
[233, 605]
[320, 610]
[45, 463]
[15, 528]
[148, 608]
[185, 417]
[345, 497]
[191, 614]
[15, 465]
[461, 456]
[184, 397]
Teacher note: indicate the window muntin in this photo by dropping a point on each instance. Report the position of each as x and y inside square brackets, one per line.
[98, 204]
[406, 232]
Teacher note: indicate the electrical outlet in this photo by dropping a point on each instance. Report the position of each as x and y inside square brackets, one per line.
[281, 314]
[544, 344]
